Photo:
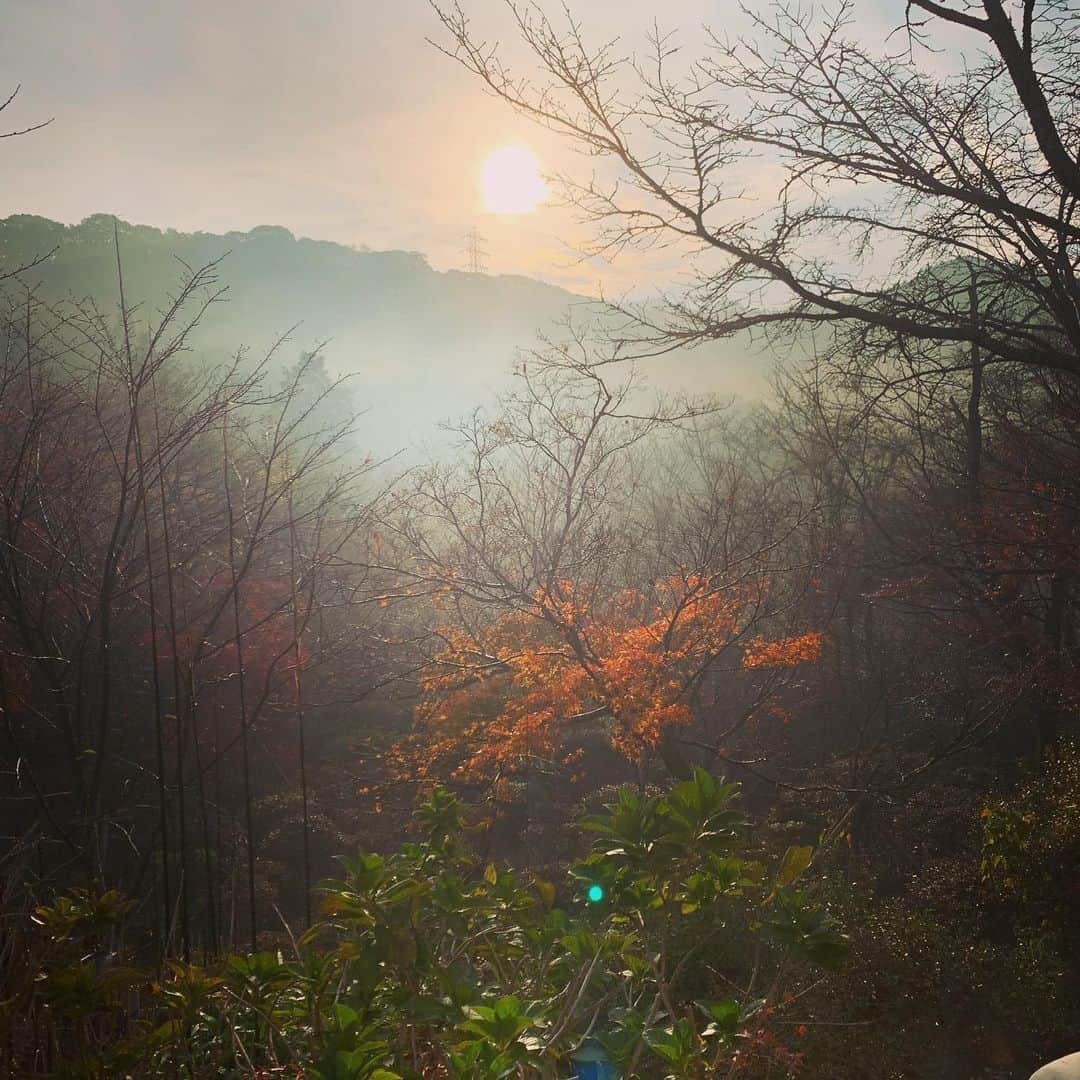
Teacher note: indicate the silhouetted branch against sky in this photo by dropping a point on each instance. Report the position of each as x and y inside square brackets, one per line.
[884, 174]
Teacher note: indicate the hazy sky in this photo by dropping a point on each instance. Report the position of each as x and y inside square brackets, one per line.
[333, 118]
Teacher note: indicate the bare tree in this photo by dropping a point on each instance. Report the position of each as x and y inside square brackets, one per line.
[872, 155]
[920, 242]
[144, 575]
[583, 582]
[8, 272]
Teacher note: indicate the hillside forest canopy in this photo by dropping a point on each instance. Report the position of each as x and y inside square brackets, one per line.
[429, 673]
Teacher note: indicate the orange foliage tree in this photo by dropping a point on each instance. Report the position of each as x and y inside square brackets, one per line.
[570, 604]
[635, 665]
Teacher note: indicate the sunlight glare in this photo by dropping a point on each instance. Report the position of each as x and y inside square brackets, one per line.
[511, 181]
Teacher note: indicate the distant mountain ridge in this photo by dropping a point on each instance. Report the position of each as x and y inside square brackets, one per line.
[424, 344]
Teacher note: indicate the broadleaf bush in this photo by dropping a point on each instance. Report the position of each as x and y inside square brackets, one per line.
[428, 963]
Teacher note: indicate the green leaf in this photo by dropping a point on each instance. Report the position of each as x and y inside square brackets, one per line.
[546, 891]
[724, 1015]
[796, 860]
[345, 1015]
[507, 1007]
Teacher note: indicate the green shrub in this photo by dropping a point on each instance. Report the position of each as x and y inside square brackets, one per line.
[428, 963]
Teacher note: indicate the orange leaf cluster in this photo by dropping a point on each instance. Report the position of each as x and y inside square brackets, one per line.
[783, 653]
[496, 699]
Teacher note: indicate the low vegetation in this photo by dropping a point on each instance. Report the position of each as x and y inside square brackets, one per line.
[429, 963]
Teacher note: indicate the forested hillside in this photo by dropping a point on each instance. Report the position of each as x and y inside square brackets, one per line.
[385, 317]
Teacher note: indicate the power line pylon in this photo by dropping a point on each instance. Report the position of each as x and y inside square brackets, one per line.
[475, 253]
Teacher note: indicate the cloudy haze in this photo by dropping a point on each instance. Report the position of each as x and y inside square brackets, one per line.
[335, 119]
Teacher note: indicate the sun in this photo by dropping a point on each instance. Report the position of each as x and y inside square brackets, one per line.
[511, 182]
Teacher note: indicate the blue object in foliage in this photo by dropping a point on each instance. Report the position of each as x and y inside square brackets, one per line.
[592, 1063]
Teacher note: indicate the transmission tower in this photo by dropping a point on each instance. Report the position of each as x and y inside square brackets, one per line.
[475, 252]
